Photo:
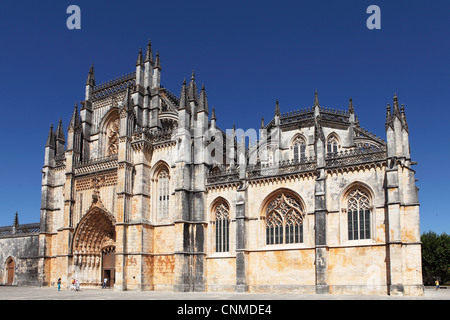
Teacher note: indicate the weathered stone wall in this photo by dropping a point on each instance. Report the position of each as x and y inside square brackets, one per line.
[281, 271]
[24, 250]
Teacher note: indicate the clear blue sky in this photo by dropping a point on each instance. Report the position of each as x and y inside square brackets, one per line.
[248, 54]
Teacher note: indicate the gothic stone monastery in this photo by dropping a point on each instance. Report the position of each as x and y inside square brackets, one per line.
[147, 191]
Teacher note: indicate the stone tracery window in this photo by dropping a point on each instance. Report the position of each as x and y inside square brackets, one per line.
[359, 215]
[299, 149]
[284, 220]
[332, 144]
[222, 221]
[163, 193]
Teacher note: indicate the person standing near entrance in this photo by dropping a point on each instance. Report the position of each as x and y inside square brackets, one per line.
[104, 283]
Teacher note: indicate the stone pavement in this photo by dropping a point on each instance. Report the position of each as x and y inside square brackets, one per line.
[45, 293]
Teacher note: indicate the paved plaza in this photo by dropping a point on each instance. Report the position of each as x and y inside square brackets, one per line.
[45, 293]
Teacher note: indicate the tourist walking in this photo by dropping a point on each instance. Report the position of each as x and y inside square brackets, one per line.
[59, 284]
[77, 285]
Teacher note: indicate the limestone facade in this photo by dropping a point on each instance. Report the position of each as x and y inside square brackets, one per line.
[150, 193]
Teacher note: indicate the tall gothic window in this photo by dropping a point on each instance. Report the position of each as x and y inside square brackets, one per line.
[332, 145]
[299, 149]
[222, 220]
[163, 193]
[358, 210]
[284, 221]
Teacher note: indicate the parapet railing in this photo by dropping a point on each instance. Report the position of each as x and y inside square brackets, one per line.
[23, 229]
[359, 155]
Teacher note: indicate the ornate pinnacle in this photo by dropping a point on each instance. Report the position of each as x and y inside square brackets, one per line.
[213, 114]
[139, 58]
[91, 77]
[396, 109]
[404, 122]
[350, 106]
[75, 121]
[60, 131]
[51, 138]
[262, 122]
[184, 101]
[149, 54]
[316, 99]
[157, 61]
[277, 109]
[192, 91]
[203, 104]
[16, 220]
[389, 119]
[127, 101]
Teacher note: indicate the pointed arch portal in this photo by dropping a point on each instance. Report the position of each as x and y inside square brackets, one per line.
[94, 247]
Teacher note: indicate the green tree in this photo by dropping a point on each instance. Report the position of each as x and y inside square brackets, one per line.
[435, 257]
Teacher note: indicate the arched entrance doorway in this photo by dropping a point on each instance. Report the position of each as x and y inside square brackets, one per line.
[94, 247]
[10, 267]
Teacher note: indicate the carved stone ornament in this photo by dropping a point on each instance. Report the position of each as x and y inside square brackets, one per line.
[96, 184]
[113, 138]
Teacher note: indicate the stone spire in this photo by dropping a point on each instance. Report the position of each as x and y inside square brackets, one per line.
[396, 108]
[404, 122]
[16, 220]
[157, 61]
[60, 139]
[139, 61]
[350, 106]
[184, 109]
[316, 105]
[89, 90]
[277, 109]
[16, 223]
[193, 96]
[60, 131]
[203, 103]
[91, 77]
[316, 99]
[156, 82]
[127, 101]
[213, 114]
[75, 122]
[184, 101]
[389, 122]
[149, 53]
[51, 138]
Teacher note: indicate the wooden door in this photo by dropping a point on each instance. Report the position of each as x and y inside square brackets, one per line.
[108, 266]
[10, 271]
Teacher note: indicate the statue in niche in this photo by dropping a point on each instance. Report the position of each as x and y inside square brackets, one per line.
[113, 138]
